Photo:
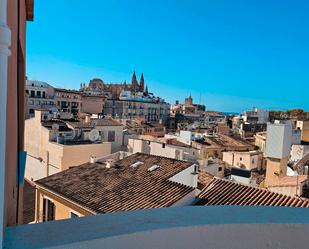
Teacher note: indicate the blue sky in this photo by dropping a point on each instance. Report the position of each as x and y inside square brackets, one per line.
[230, 55]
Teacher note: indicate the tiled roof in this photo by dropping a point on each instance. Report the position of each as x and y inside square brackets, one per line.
[121, 187]
[204, 179]
[227, 141]
[224, 192]
[177, 143]
[107, 122]
[28, 202]
[79, 124]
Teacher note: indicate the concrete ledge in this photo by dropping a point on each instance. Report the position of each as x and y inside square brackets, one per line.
[188, 227]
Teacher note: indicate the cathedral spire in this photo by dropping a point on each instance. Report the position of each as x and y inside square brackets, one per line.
[146, 90]
[142, 83]
[134, 82]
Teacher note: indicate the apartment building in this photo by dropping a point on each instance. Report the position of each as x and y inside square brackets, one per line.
[171, 148]
[68, 101]
[93, 104]
[188, 108]
[40, 95]
[248, 160]
[141, 127]
[278, 146]
[257, 115]
[138, 181]
[130, 109]
[110, 130]
[260, 141]
[55, 145]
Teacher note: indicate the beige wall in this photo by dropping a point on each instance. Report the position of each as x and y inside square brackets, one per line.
[62, 206]
[45, 157]
[117, 144]
[74, 155]
[244, 160]
[287, 190]
[92, 104]
[275, 168]
[260, 141]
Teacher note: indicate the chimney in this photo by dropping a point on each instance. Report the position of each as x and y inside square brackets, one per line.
[93, 159]
[109, 163]
[87, 119]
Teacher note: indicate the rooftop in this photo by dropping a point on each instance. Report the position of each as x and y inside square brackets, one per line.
[107, 122]
[120, 188]
[224, 192]
[226, 141]
[204, 179]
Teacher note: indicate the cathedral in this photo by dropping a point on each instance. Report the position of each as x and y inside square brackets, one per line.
[98, 87]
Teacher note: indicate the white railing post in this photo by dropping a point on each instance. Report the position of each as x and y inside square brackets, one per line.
[5, 42]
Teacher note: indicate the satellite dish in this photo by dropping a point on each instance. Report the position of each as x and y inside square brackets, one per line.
[94, 135]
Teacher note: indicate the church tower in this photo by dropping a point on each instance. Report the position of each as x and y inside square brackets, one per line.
[134, 83]
[142, 83]
[146, 90]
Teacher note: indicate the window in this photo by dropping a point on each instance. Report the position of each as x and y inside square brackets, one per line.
[111, 136]
[32, 94]
[48, 210]
[240, 159]
[38, 94]
[44, 95]
[220, 169]
[31, 111]
[163, 145]
[73, 215]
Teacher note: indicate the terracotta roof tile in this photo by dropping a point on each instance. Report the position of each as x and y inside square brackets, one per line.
[28, 202]
[121, 187]
[107, 122]
[224, 192]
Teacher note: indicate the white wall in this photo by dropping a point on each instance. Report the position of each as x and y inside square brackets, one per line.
[186, 177]
[278, 141]
[298, 152]
[162, 149]
[37, 169]
[185, 137]
[117, 144]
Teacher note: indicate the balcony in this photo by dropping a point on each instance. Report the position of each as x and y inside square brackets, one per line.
[188, 227]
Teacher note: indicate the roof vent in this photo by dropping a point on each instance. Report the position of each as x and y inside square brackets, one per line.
[93, 159]
[135, 165]
[153, 167]
[109, 163]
